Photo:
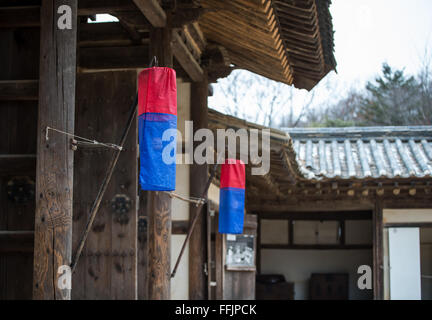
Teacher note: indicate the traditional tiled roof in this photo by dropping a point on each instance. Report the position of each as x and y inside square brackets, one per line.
[331, 154]
[363, 153]
[337, 163]
[290, 41]
[307, 32]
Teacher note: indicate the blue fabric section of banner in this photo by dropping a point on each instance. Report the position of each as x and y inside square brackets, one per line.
[156, 173]
[231, 210]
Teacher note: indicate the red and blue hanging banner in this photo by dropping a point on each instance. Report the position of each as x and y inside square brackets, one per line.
[157, 112]
[232, 197]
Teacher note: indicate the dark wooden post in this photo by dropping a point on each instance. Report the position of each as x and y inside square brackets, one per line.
[198, 177]
[378, 264]
[54, 173]
[159, 203]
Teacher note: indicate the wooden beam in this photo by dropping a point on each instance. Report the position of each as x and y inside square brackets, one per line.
[316, 247]
[210, 276]
[54, 172]
[307, 206]
[186, 16]
[24, 16]
[378, 255]
[217, 61]
[16, 242]
[153, 12]
[19, 90]
[159, 203]
[91, 7]
[142, 248]
[186, 58]
[314, 215]
[17, 164]
[198, 176]
[258, 243]
[114, 58]
[161, 46]
[220, 262]
[29, 15]
[272, 185]
[103, 34]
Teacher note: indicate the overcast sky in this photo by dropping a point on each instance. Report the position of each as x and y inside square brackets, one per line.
[368, 33]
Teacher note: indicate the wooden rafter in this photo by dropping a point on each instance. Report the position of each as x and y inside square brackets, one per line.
[153, 12]
[19, 90]
[272, 185]
[186, 58]
[29, 16]
[249, 31]
[106, 34]
[117, 57]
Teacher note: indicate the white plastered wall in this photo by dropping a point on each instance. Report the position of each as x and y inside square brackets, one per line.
[213, 194]
[180, 209]
[297, 265]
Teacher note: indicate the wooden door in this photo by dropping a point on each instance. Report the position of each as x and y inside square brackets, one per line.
[108, 266]
[19, 72]
[236, 263]
[404, 263]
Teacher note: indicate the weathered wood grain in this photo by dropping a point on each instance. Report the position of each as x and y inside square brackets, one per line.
[159, 203]
[378, 254]
[142, 247]
[186, 59]
[108, 266]
[159, 245]
[198, 176]
[153, 12]
[54, 173]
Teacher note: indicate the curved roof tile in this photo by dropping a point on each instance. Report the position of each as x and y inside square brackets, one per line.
[360, 153]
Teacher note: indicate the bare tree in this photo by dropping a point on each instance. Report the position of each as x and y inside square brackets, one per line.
[425, 81]
[291, 119]
[235, 90]
[260, 100]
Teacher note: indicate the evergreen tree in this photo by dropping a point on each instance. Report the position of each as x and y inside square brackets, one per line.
[393, 100]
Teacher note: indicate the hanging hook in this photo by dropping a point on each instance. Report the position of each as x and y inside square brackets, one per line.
[154, 62]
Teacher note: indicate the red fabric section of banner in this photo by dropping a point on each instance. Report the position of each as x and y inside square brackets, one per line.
[157, 91]
[233, 174]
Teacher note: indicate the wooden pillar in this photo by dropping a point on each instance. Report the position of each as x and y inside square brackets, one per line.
[378, 272]
[142, 248]
[54, 172]
[198, 177]
[159, 203]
